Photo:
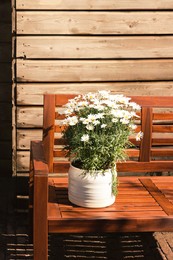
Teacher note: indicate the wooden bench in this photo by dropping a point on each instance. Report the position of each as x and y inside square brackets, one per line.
[143, 204]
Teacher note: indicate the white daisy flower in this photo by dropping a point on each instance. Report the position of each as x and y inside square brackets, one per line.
[134, 106]
[114, 120]
[68, 111]
[103, 125]
[96, 122]
[133, 126]
[72, 120]
[90, 127]
[92, 118]
[139, 136]
[124, 121]
[85, 138]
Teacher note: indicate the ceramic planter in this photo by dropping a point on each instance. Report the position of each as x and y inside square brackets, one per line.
[91, 191]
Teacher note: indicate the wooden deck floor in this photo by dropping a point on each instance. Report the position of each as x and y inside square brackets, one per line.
[14, 240]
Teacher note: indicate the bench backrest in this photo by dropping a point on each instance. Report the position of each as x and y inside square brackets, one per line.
[154, 153]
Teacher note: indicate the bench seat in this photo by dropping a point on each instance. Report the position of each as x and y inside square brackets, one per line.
[142, 204]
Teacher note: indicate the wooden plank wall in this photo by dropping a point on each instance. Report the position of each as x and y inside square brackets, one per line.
[75, 46]
[5, 89]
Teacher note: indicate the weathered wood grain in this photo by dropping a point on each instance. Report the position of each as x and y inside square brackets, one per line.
[24, 137]
[29, 117]
[23, 161]
[93, 23]
[97, 70]
[94, 47]
[32, 94]
[94, 4]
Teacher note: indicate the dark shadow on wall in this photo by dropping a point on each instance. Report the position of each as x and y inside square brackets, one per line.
[5, 88]
[7, 183]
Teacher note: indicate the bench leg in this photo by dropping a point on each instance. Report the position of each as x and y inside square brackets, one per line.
[40, 222]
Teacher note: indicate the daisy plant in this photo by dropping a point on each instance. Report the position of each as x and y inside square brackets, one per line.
[96, 129]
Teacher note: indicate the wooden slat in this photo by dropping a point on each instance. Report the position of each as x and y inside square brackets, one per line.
[23, 161]
[66, 71]
[23, 158]
[162, 128]
[61, 167]
[166, 205]
[128, 166]
[118, 224]
[58, 116]
[24, 136]
[29, 117]
[53, 211]
[144, 101]
[32, 117]
[107, 215]
[48, 129]
[59, 153]
[59, 141]
[119, 207]
[94, 47]
[156, 141]
[61, 100]
[155, 102]
[32, 94]
[146, 128]
[155, 152]
[40, 22]
[164, 141]
[94, 4]
[159, 116]
[162, 138]
[154, 166]
[162, 152]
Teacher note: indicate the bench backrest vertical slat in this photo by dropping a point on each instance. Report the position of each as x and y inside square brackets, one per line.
[146, 128]
[48, 128]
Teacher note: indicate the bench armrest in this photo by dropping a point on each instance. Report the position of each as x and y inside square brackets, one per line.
[39, 193]
[39, 165]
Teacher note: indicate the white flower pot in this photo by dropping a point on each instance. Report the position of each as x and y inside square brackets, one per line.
[91, 191]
